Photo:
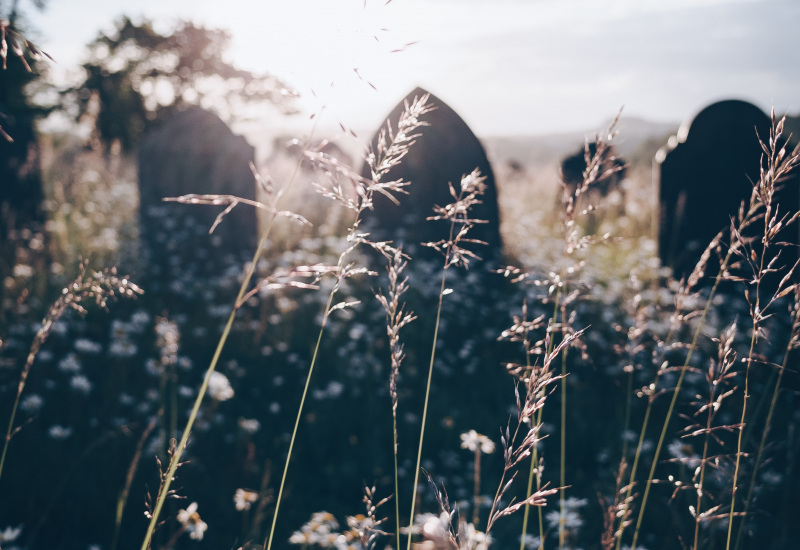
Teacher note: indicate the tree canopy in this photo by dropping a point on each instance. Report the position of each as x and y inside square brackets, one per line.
[20, 184]
[135, 75]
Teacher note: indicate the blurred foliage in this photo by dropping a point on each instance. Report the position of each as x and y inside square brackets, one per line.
[21, 194]
[136, 75]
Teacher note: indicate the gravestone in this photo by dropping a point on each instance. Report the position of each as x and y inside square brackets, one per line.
[608, 182]
[444, 152]
[609, 176]
[707, 171]
[21, 192]
[195, 152]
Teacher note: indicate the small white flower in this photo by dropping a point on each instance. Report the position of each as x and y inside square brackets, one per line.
[531, 542]
[249, 425]
[32, 403]
[437, 528]
[122, 348]
[244, 498]
[23, 270]
[574, 503]
[70, 363]
[59, 432]
[474, 441]
[477, 540]
[219, 387]
[87, 346]
[570, 519]
[10, 534]
[684, 453]
[335, 388]
[80, 383]
[190, 520]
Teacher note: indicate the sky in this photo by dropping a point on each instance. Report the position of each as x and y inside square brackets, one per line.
[508, 67]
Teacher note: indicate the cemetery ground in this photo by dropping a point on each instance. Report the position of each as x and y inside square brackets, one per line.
[619, 388]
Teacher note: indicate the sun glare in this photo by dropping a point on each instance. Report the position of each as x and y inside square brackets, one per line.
[327, 51]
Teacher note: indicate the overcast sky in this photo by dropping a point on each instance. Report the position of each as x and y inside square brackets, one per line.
[507, 66]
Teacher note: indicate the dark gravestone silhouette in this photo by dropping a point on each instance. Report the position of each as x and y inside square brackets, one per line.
[195, 152]
[21, 193]
[445, 151]
[573, 166]
[706, 173]
[610, 175]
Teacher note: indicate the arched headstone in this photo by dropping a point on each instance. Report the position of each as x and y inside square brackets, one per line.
[445, 151]
[195, 152]
[610, 175]
[706, 173]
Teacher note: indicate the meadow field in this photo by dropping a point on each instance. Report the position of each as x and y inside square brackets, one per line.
[325, 390]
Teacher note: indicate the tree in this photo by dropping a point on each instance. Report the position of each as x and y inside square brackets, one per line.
[136, 75]
[20, 181]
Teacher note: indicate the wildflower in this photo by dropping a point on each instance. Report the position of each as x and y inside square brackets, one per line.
[219, 387]
[573, 503]
[59, 432]
[80, 383]
[323, 521]
[570, 519]
[531, 542]
[300, 537]
[191, 522]
[87, 346]
[249, 425]
[23, 271]
[139, 320]
[335, 388]
[122, 348]
[32, 403]
[153, 367]
[477, 540]
[10, 534]
[684, 453]
[321, 530]
[437, 528]
[69, 363]
[244, 498]
[360, 524]
[474, 441]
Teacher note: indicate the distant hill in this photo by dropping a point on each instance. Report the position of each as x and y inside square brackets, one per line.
[637, 139]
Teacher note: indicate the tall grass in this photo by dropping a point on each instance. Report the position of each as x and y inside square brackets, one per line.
[698, 368]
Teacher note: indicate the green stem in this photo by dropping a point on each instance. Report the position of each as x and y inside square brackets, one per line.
[534, 470]
[763, 442]
[741, 432]
[425, 406]
[562, 531]
[396, 487]
[173, 465]
[176, 457]
[698, 507]
[672, 402]
[297, 420]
